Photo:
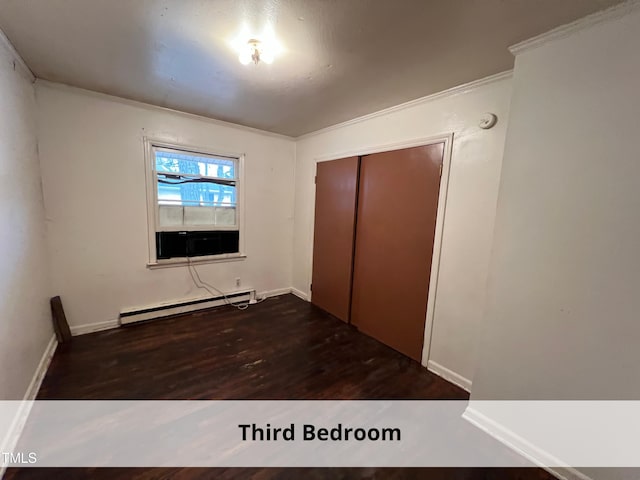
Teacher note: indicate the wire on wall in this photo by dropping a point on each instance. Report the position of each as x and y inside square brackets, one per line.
[213, 291]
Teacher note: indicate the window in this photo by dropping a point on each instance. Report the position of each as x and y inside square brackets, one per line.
[195, 202]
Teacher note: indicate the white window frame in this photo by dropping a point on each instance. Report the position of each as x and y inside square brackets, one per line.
[153, 223]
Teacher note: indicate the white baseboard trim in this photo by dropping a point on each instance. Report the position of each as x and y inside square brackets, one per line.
[521, 446]
[94, 327]
[300, 294]
[449, 375]
[274, 293]
[41, 371]
[10, 441]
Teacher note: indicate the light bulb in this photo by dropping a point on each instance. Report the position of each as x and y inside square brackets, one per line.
[256, 50]
[246, 52]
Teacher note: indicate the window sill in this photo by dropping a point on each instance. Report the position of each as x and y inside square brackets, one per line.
[182, 261]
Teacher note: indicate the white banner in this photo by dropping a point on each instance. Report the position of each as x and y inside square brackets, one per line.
[399, 433]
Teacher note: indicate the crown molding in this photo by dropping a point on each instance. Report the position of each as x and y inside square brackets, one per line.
[18, 60]
[148, 106]
[457, 90]
[464, 88]
[612, 13]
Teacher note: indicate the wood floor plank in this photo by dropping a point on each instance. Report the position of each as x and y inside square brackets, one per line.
[283, 348]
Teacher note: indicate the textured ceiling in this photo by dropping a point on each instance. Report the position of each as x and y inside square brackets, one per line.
[343, 58]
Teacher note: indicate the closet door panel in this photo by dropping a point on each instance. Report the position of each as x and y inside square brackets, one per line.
[396, 221]
[336, 191]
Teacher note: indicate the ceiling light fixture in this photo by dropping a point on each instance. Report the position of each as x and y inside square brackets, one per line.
[253, 47]
[255, 51]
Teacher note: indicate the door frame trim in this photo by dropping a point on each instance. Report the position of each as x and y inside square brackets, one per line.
[447, 139]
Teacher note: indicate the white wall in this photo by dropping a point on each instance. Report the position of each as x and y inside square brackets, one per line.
[562, 319]
[473, 189]
[562, 316]
[25, 319]
[93, 170]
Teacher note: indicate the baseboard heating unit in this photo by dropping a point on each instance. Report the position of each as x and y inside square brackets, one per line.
[140, 314]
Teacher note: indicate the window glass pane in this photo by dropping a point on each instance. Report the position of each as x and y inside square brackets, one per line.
[200, 216]
[170, 216]
[195, 194]
[176, 162]
[195, 190]
[225, 216]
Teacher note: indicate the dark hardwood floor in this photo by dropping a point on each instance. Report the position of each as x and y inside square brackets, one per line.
[283, 348]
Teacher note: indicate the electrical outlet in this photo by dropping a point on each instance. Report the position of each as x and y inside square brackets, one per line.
[238, 282]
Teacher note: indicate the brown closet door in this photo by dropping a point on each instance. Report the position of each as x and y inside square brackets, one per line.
[397, 206]
[336, 191]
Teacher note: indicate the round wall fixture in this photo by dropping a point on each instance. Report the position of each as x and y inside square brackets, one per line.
[487, 121]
